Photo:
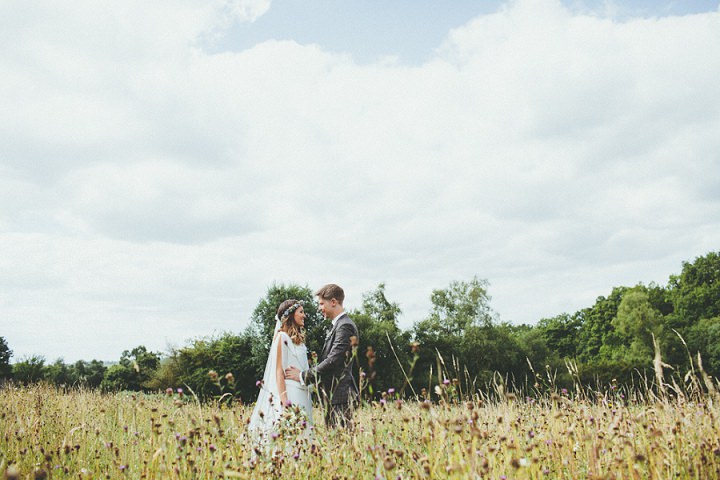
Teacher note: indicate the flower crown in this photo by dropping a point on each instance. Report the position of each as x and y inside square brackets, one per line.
[291, 309]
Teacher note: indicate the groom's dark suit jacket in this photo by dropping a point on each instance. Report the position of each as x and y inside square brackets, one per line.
[334, 369]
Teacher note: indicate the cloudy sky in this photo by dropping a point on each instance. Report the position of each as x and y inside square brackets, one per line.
[163, 163]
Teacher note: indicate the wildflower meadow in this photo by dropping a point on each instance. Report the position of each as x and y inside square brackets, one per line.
[46, 432]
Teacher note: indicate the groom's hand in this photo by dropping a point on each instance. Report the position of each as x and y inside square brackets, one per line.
[292, 373]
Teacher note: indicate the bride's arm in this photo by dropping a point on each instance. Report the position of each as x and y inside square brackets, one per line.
[280, 372]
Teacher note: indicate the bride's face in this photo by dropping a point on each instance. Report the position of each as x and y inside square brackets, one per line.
[299, 316]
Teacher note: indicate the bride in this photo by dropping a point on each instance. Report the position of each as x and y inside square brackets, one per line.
[280, 398]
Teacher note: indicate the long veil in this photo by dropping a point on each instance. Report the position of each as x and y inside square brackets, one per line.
[267, 408]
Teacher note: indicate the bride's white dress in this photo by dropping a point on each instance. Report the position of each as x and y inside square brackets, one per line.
[268, 409]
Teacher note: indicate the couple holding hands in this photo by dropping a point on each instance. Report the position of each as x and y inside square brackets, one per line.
[288, 376]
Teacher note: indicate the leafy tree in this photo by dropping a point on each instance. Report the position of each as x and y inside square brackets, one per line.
[29, 370]
[696, 291]
[704, 337]
[88, 374]
[596, 336]
[560, 333]
[637, 321]
[459, 322]
[58, 373]
[5, 354]
[459, 306]
[377, 322]
[212, 367]
[135, 369]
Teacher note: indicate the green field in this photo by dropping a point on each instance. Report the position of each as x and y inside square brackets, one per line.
[46, 433]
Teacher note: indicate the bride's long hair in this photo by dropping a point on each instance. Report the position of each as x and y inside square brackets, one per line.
[286, 314]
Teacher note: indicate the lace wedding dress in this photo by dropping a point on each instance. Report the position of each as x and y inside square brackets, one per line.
[268, 410]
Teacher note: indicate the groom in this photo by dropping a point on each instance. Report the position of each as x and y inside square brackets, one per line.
[333, 372]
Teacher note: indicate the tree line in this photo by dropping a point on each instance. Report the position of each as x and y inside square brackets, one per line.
[460, 343]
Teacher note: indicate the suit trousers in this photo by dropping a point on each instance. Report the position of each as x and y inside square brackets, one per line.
[340, 416]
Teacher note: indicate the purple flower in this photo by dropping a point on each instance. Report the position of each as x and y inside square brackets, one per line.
[258, 383]
[446, 382]
[391, 391]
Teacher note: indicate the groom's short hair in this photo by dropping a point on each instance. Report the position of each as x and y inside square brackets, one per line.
[330, 291]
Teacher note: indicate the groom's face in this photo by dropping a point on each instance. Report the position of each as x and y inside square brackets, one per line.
[327, 307]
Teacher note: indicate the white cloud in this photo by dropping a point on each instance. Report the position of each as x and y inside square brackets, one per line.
[152, 191]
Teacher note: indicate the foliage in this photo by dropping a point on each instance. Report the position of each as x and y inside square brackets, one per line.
[696, 291]
[29, 370]
[460, 309]
[5, 354]
[212, 367]
[381, 339]
[560, 333]
[460, 344]
[134, 371]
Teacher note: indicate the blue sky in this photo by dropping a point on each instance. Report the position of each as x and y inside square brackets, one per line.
[162, 164]
[408, 30]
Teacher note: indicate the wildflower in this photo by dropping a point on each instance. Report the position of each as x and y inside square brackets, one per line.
[230, 377]
[564, 391]
[354, 342]
[391, 391]
[213, 375]
[12, 473]
[40, 474]
[414, 347]
[446, 382]
[180, 392]
[169, 392]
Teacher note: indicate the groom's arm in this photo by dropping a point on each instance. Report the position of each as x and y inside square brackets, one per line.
[337, 358]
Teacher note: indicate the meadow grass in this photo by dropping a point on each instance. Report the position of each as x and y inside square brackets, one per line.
[51, 433]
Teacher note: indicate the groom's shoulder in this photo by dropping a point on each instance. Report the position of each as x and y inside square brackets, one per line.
[346, 319]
